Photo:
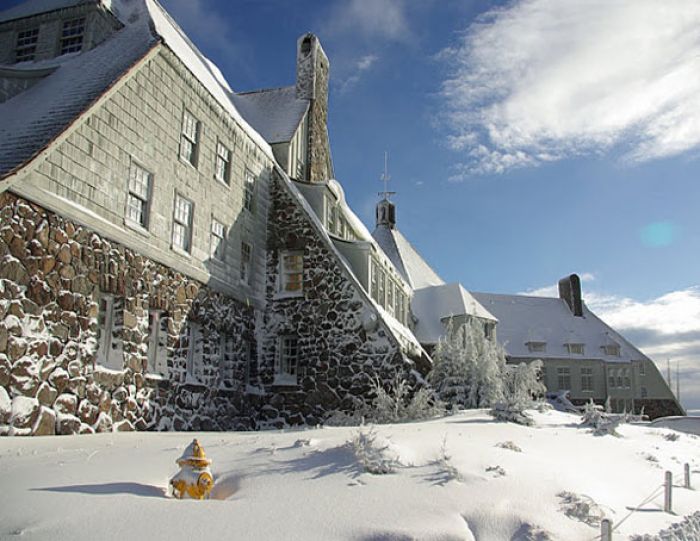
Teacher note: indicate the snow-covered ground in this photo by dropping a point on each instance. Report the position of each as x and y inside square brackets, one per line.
[461, 477]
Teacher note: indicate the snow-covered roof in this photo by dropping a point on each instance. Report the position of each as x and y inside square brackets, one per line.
[34, 7]
[34, 118]
[523, 319]
[405, 258]
[275, 113]
[431, 305]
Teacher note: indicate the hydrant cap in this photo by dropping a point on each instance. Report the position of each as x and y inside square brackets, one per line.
[194, 452]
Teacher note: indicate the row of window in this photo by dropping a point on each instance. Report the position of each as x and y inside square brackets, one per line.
[573, 348]
[190, 135]
[72, 35]
[564, 378]
[336, 223]
[138, 203]
[619, 378]
[110, 354]
[387, 292]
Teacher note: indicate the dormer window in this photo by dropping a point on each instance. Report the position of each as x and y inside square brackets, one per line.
[612, 349]
[72, 35]
[26, 45]
[574, 348]
[536, 347]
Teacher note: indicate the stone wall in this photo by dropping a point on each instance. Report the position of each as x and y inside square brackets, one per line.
[52, 274]
[343, 346]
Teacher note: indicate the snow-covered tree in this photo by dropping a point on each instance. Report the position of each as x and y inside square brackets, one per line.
[521, 388]
[468, 367]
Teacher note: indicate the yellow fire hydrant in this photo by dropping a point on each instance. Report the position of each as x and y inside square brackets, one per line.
[194, 480]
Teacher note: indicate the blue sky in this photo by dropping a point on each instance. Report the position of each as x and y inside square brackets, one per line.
[527, 139]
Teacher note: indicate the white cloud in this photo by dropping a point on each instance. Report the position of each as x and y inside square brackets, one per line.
[361, 66]
[665, 327]
[541, 80]
[384, 19]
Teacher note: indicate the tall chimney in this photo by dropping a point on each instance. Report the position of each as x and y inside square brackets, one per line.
[570, 291]
[312, 84]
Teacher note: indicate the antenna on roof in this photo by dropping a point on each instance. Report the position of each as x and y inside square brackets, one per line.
[385, 178]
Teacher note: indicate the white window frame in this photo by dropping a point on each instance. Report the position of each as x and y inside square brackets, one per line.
[105, 324]
[72, 35]
[246, 262]
[222, 163]
[27, 40]
[157, 356]
[587, 383]
[189, 138]
[287, 365]
[182, 225]
[291, 274]
[249, 190]
[563, 376]
[575, 348]
[217, 248]
[138, 196]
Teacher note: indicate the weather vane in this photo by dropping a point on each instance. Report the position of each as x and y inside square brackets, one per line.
[385, 178]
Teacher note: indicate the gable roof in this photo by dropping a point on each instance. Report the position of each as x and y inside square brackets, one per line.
[414, 269]
[275, 113]
[33, 119]
[523, 319]
[432, 305]
[29, 8]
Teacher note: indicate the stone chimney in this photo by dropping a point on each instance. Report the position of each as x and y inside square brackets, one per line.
[570, 291]
[386, 214]
[312, 84]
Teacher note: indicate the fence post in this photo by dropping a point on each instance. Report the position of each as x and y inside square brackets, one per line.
[606, 530]
[686, 468]
[668, 485]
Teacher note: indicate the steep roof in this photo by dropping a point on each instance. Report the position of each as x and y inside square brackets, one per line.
[523, 319]
[275, 113]
[34, 7]
[37, 116]
[431, 305]
[405, 258]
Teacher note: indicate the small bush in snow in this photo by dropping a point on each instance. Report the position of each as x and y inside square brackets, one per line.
[581, 507]
[672, 436]
[444, 462]
[397, 404]
[497, 471]
[510, 446]
[603, 423]
[372, 456]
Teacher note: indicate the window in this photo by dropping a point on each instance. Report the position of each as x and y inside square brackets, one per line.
[287, 360]
[195, 355]
[612, 349]
[189, 138]
[227, 360]
[390, 297]
[611, 379]
[488, 330]
[246, 258]
[586, 379]
[537, 347]
[618, 380]
[626, 378]
[182, 224]
[157, 343]
[139, 196]
[374, 279]
[575, 349]
[26, 45]
[564, 378]
[642, 369]
[249, 187]
[105, 330]
[223, 163]
[249, 359]
[218, 240]
[381, 295]
[292, 273]
[72, 35]
[644, 392]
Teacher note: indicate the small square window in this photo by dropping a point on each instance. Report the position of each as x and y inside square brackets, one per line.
[249, 191]
[72, 35]
[182, 224]
[246, 258]
[292, 273]
[26, 45]
[139, 195]
[223, 163]
[287, 360]
[218, 240]
[189, 138]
